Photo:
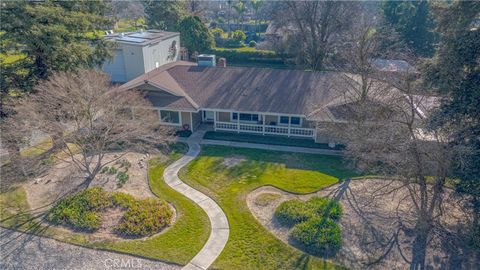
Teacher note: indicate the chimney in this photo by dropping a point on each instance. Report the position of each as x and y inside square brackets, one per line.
[222, 62]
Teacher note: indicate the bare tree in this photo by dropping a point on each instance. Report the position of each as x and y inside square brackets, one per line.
[315, 28]
[89, 116]
[386, 132]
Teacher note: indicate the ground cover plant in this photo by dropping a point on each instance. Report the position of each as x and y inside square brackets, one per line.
[84, 211]
[250, 245]
[314, 224]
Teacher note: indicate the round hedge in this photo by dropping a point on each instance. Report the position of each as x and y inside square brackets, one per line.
[82, 210]
[325, 207]
[292, 212]
[145, 217]
[319, 236]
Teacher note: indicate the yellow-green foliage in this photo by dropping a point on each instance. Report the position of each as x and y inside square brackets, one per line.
[145, 217]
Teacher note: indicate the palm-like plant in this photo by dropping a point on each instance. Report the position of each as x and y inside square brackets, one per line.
[240, 8]
[256, 4]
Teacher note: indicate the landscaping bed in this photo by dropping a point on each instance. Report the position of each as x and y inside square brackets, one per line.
[229, 174]
[95, 210]
[370, 224]
[177, 243]
[265, 139]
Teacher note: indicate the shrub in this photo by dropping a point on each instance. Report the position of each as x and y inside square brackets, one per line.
[123, 199]
[112, 170]
[81, 211]
[252, 43]
[292, 212]
[238, 36]
[265, 199]
[122, 178]
[319, 236]
[325, 207]
[105, 169]
[217, 33]
[145, 217]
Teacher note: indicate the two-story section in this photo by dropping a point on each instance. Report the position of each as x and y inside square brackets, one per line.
[137, 53]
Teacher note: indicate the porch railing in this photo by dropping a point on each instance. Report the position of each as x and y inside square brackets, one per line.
[265, 129]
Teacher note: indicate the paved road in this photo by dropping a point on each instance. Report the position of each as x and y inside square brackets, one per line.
[220, 229]
[25, 251]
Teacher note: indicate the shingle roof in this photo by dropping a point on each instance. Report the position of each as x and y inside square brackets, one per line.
[242, 89]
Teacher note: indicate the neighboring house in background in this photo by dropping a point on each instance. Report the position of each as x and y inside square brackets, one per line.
[139, 52]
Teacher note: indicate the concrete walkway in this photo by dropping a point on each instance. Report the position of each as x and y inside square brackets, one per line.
[218, 220]
[26, 251]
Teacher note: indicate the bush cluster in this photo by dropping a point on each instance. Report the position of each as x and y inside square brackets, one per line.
[292, 212]
[314, 223]
[145, 217]
[81, 211]
[319, 235]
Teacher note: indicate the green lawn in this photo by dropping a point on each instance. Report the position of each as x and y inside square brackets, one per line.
[178, 244]
[265, 139]
[250, 245]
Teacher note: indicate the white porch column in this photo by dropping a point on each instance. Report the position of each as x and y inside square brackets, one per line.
[238, 122]
[263, 124]
[191, 121]
[215, 120]
[289, 125]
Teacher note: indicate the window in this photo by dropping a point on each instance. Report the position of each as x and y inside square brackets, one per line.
[284, 120]
[247, 117]
[170, 117]
[295, 121]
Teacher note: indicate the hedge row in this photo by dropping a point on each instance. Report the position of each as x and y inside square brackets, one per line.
[238, 56]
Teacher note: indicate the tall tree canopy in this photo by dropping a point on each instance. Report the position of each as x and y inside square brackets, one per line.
[195, 35]
[50, 36]
[164, 15]
[454, 71]
[314, 27]
[412, 20]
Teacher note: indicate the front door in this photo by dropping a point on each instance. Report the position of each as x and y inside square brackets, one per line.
[208, 116]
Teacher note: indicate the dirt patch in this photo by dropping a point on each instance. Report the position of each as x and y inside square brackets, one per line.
[63, 178]
[377, 225]
[232, 161]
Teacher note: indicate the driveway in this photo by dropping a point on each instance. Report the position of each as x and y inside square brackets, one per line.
[25, 251]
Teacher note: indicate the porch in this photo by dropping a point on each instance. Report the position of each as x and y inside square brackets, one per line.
[260, 123]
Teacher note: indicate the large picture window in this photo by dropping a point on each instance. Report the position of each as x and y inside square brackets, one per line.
[293, 120]
[170, 117]
[246, 117]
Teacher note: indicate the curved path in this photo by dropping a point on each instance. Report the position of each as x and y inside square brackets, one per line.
[218, 221]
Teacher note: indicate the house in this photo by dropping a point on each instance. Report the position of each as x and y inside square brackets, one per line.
[137, 53]
[244, 100]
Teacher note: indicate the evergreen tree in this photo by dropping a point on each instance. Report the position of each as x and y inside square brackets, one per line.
[164, 15]
[455, 72]
[194, 35]
[412, 20]
[50, 36]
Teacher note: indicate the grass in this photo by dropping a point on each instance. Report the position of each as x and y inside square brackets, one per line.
[178, 244]
[38, 149]
[184, 239]
[250, 245]
[274, 140]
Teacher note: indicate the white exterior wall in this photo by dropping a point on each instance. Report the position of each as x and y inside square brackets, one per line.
[131, 61]
[159, 53]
